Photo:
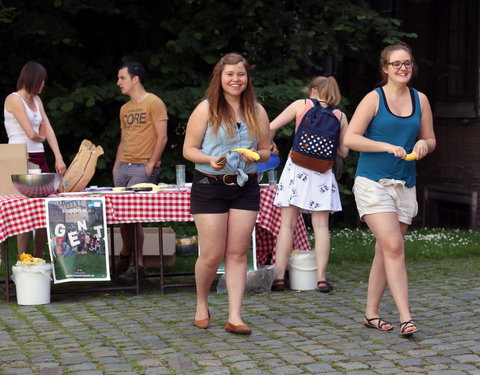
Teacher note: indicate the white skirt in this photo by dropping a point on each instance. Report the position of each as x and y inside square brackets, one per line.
[307, 190]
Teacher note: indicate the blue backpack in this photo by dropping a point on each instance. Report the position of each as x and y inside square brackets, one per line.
[316, 139]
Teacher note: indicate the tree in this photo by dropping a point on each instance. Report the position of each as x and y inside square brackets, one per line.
[82, 44]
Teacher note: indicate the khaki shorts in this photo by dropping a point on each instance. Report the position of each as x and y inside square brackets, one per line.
[386, 195]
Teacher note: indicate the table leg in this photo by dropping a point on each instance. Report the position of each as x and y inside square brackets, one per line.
[135, 259]
[6, 272]
[112, 250]
[160, 250]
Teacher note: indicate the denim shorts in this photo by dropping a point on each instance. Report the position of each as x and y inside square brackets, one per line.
[211, 196]
[128, 174]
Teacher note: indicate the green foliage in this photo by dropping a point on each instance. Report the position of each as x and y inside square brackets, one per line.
[6, 13]
[82, 44]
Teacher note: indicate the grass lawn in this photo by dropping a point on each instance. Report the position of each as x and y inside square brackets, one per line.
[350, 246]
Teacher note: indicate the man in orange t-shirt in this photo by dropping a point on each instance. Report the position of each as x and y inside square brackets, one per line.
[143, 123]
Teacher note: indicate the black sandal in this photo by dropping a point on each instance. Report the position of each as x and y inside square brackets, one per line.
[381, 323]
[408, 324]
[278, 285]
[326, 288]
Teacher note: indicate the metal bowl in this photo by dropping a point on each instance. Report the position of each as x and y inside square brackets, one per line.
[36, 185]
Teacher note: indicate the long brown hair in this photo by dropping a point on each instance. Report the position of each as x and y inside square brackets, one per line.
[327, 88]
[385, 56]
[220, 111]
[31, 77]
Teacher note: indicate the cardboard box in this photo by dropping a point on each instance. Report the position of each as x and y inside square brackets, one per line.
[13, 160]
[151, 250]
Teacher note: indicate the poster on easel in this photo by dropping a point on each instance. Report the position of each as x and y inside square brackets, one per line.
[77, 239]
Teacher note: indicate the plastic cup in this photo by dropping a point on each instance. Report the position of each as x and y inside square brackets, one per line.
[180, 174]
[272, 179]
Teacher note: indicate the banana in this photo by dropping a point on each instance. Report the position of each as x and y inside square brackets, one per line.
[411, 156]
[255, 156]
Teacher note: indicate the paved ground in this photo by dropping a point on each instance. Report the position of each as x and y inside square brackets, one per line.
[294, 332]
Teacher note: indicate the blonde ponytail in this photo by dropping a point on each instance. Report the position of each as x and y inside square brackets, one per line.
[327, 88]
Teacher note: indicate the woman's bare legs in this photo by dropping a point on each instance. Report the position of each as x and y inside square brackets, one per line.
[40, 240]
[322, 242]
[223, 236]
[284, 242]
[240, 229]
[212, 234]
[388, 266]
[23, 241]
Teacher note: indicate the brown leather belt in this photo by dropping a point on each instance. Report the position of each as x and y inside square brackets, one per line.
[229, 178]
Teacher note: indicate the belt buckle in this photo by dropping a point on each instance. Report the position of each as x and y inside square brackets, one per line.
[228, 183]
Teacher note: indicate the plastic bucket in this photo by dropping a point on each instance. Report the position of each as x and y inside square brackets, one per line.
[302, 270]
[32, 284]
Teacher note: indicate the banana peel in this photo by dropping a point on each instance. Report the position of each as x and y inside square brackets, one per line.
[24, 256]
[32, 261]
[252, 154]
[222, 160]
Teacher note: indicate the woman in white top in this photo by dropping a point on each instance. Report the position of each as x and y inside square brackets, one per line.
[26, 122]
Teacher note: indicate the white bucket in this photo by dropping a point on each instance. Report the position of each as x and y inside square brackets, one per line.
[32, 284]
[302, 270]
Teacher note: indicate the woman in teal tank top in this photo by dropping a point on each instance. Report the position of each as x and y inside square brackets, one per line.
[391, 125]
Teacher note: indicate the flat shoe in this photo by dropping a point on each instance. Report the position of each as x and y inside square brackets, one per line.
[381, 323]
[202, 323]
[408, 324]
[240, 329]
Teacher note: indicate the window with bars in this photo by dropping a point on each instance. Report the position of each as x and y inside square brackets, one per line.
[455, 36]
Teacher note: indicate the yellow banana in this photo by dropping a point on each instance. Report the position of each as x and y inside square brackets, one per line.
[411, 156]
[255, 156]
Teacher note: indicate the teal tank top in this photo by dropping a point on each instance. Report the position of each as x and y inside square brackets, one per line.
[401, 131]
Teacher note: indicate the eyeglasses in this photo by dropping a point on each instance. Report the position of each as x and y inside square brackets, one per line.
[397, 64]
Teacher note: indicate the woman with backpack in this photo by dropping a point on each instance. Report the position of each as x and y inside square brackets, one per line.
[390, 122]
[302, 189]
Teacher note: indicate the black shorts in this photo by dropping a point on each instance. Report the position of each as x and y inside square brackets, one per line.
[212, 196]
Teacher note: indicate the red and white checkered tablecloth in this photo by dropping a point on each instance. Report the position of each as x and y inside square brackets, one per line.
[268, 226]
[19, 214]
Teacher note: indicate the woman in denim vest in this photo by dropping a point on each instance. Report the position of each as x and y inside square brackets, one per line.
[225, 195]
